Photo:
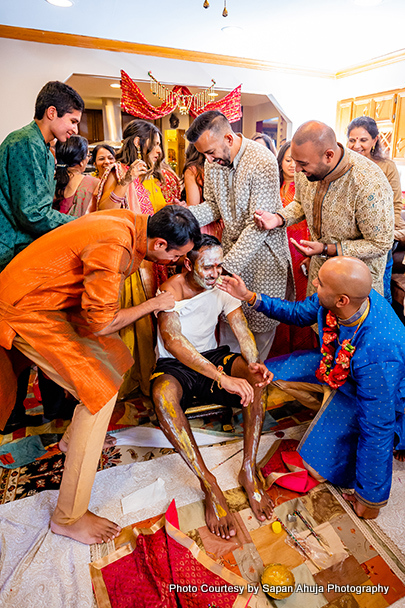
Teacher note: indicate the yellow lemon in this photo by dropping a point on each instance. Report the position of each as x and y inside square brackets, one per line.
[278, 581]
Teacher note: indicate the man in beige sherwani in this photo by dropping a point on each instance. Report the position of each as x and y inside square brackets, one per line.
[345, 198]
[241, 176]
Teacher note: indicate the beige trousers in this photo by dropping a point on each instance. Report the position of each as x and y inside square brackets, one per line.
[85, 440]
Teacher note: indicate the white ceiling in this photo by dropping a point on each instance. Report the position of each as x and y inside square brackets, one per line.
[319, 34]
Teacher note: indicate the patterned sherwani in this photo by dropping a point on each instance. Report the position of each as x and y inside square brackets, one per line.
[234, 193]
[351, 207]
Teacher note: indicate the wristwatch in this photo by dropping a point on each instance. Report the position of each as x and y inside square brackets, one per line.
[324, 253]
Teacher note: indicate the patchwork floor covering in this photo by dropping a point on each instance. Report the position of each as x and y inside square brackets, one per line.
[31, 556]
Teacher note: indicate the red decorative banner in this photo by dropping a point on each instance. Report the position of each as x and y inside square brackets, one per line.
[134, 102]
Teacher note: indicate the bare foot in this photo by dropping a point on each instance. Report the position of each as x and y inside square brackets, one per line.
[109, 442]
[219, 519]
[260, 502]
[63, 445]
[399, 455]
[89, 529]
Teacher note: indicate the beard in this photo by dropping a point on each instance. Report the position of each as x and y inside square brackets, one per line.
[320, 173]
[201, 281]
[225, 159]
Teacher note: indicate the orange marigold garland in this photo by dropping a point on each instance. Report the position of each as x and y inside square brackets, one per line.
[334, 376]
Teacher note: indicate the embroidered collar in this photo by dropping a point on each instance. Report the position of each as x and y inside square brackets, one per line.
[241, 150]
[343, 166]
[358, 316]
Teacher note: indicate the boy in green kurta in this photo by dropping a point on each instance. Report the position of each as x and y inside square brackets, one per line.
[27, 166]
[27, 189]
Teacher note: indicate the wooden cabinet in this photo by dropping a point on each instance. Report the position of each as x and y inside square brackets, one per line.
[384, 107]
[343, 118]
[363, 107]
[91, 126]
[399, 134]
[387, 109]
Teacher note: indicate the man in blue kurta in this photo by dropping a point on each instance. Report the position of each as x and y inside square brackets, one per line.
[362, 359]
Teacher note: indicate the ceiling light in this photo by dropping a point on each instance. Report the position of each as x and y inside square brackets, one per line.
[115, 85]
[61, 3]
[231, 29]
[367, 2]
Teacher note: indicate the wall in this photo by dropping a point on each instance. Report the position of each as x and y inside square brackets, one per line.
[26, 66]
[254, 114]
[372, 81]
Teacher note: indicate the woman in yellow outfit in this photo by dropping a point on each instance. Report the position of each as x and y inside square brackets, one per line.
[134, 182]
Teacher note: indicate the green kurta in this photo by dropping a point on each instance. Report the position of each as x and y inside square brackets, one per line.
[27, 188]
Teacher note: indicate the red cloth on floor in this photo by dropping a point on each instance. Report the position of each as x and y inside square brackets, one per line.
[286, 468]
[142, 578]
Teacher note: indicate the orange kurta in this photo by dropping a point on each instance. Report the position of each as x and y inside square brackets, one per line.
[60, 291]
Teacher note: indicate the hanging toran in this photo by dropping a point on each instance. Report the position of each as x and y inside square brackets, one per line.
[183, 101]
[134, 102]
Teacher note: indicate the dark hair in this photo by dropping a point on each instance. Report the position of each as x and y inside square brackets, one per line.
[128, 154]
[213, 120]
[177, 225]
[280, 157]
[97, 148]
[61, 96]
[208, 241]
[370, 125]
[196, 159]
[267, 140]
[68, 154]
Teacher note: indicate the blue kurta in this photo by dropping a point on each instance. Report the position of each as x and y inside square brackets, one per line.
[351, 440]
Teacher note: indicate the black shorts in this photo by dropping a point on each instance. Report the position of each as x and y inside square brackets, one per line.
[196, 387]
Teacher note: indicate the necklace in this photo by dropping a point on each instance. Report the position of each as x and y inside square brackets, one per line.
[337, 375]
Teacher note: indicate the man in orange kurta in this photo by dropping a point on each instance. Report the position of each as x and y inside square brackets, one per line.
[59, 306]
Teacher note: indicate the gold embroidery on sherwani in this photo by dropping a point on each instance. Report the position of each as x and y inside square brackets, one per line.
[357, 216]
[341, 168]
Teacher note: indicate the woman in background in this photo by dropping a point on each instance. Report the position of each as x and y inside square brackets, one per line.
[265, 140]
[193, 178]
[138, 180]
[363, 137]
[102, 157]
[286, 166]
[74, 191]
[170, 185]
[288, 337]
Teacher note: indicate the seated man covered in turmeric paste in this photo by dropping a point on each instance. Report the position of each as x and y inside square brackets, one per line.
[191, 364]
[59, 306]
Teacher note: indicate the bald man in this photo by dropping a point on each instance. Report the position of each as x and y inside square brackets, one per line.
[360, 369]
[346, 200]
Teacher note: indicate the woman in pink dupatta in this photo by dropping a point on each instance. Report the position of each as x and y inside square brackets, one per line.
[289, 338]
